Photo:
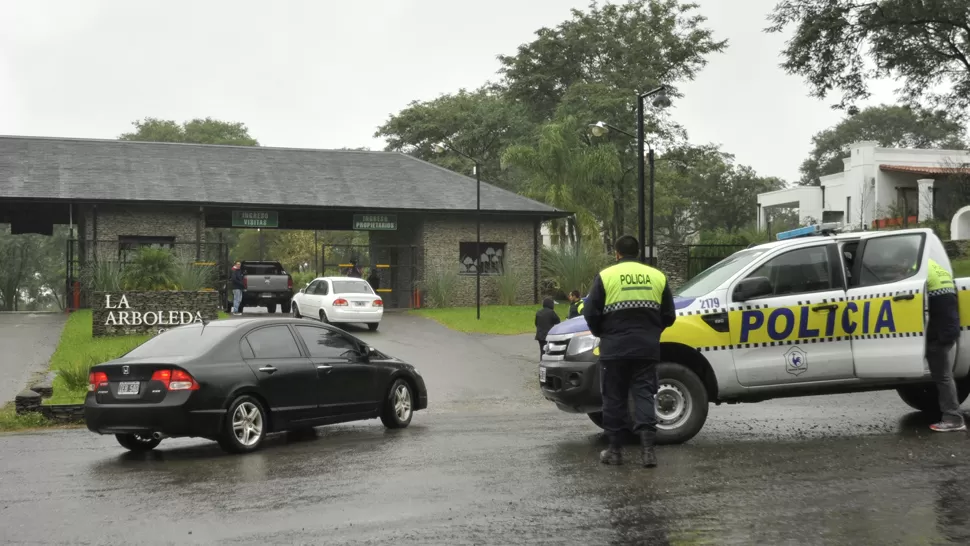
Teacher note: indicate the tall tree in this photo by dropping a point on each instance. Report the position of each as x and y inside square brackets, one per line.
[480, 124]
[196, 131]
[563, 170]
[631, 47]
[844, 44]
[890, 126]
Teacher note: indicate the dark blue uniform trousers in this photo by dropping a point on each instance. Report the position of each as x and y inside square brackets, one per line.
[618, 378]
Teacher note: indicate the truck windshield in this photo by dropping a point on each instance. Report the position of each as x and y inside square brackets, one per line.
[717, 274]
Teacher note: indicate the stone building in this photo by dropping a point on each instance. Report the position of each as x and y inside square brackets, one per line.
[122, 196]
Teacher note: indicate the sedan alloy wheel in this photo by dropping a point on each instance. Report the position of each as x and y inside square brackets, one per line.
[245, 426]
[398, 408]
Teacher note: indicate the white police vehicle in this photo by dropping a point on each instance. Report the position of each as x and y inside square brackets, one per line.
[816, 312]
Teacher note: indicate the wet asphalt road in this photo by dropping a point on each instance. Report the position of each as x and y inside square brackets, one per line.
[27, 341]
[490, 463]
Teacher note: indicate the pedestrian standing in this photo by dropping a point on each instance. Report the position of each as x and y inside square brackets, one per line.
[576, 304]
[628, 307]
[236, 279]
[546, 318]
[374, 279]
[355, 270]
[942, 332]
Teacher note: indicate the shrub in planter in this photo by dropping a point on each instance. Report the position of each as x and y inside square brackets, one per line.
[103, 276]
[152, 269]
[193, 278]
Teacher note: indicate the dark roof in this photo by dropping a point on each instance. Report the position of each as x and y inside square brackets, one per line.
[116, 170]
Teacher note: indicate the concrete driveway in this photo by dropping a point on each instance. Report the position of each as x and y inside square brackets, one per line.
[27, 341]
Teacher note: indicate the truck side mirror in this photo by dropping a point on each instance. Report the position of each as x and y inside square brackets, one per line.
[751, 288]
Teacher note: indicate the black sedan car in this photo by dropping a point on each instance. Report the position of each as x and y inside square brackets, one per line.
[235, 380]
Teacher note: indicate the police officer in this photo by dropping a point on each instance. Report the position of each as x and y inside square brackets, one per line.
[628, 307]
[942, 332]
[576, 304]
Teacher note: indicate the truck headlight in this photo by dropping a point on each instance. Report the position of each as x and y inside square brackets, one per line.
[581, 343]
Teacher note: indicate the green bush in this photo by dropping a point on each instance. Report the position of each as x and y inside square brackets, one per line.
[573, 268]
[508, 285]
[152, 269]
[440, 286]
[103, 276]
[192, 278]
[75, 373]
[301, 279]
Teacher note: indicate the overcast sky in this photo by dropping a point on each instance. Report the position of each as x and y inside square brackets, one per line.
[325, 74]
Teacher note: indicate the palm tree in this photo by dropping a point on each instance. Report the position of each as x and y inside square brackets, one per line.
[563, 171]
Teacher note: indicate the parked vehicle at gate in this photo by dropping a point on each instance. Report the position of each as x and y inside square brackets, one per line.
[267, 284]
[814, 313]
[339, 300]
[235, 380]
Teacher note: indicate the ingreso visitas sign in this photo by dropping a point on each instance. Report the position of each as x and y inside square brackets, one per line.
[255, 218]
[121, 314]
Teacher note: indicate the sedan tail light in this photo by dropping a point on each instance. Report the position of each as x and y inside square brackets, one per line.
[96, 379]
[340, 302]
[378, 303]
[176, 380]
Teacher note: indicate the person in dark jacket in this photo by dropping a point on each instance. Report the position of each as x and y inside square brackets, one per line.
[576, 304]
[628, 307]
[237, 284]
[546, 318]
[355, 270]
[942, 332]
[374, 280]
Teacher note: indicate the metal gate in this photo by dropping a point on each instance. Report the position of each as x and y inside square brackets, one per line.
[393, 270]
[701, 257]
[91, 263]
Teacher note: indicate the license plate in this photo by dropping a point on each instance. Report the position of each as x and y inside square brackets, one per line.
[128, 387]
[266, 295]
[360, 303]
[542, 374]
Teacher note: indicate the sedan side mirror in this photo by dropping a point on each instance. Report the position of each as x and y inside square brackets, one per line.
[303, 290]
[752, 288]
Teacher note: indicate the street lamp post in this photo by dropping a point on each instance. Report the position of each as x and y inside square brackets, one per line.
[441, 148]
[601, 128]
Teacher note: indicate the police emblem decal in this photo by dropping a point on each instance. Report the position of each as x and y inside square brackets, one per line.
[796, 361]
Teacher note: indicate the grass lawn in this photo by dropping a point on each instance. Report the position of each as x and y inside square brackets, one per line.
[496, 319]
[10, 421]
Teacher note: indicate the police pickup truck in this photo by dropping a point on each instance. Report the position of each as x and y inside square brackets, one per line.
[816, 312]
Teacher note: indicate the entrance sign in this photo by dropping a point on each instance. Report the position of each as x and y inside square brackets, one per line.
[120, 313]
[375, 222]
[255, 218]
[137, 312]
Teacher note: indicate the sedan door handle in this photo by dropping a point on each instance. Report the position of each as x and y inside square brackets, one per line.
[268, 369]
[901, 297]
[324, 367]
[830, 307]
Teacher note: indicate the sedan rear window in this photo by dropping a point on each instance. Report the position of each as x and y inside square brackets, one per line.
[351, 287]
[184, 341]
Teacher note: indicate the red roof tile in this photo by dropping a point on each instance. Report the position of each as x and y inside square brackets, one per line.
[914, 169]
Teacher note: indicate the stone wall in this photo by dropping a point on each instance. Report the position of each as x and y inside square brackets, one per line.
[441, 238]
[672, 261]
[104, 224]
[127, 313]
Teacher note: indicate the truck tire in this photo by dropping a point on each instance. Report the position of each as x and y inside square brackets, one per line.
[681, 401]
[285, 306]
[923, 397]
[271, 308]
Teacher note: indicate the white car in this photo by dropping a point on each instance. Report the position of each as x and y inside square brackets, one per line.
[339, 300]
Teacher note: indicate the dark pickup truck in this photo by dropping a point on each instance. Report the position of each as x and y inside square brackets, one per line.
[267, 285]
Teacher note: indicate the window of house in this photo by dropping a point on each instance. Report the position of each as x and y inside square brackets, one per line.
[492, 258]
[129, 245]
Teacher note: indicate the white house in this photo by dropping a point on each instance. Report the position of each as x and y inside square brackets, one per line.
[878, 185]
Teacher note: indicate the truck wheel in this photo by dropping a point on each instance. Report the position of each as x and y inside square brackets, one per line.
[285, 306]
[923, 397]
[681, 404]
[271, 308]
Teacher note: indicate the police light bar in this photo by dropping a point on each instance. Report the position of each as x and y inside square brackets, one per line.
[810, 231]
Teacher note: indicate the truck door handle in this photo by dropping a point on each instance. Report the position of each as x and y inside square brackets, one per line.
[830, 307]
[268, 369]
[324, 368]
[901, 297]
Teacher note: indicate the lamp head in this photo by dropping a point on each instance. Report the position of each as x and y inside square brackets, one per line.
[438, 148]
[598, 129]
[661, 100]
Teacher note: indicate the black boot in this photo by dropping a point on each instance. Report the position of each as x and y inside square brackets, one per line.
[648, 456]
[612, 455]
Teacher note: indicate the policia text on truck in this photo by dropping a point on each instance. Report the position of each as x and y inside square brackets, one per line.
[816, 312]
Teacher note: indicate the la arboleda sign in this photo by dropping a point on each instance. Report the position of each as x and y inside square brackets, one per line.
[120, 313]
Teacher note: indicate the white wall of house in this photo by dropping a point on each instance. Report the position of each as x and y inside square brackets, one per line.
[865, 190]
